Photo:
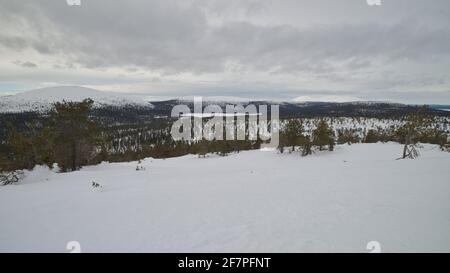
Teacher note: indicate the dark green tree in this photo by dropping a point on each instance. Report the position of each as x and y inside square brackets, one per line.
[371, 137]
[323, 135]
[74, 134]
[27, 147]
[201, 148]
[306, 145]
[348, 136]
[293, 133]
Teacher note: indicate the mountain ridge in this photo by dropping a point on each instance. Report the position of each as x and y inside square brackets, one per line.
[41, 100]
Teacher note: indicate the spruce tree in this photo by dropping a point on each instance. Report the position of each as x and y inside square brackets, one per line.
[74, 134]
[323, 135]
[371, 137]
[201, 148]
[306, 145]
[293, 133]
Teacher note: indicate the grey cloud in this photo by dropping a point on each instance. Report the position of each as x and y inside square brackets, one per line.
[26, 64]
[169, 36]
[376, 48]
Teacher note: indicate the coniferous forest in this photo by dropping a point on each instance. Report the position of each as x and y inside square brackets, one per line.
[73, 135]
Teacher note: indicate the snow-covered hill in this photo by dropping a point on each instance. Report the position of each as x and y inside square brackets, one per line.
[253, 201]
[41, 100]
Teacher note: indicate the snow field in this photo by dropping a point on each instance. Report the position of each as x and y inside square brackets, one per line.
[253, 201]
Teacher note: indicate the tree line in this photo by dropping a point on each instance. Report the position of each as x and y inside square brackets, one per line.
[417, 126]
[70, 138]
[293, 135]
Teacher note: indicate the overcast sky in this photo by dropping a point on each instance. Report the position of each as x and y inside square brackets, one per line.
[282, 49]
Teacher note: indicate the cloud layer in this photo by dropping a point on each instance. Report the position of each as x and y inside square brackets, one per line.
[273, 49]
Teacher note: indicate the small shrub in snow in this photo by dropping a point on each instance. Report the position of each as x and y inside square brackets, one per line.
[446, 147]
[12, 177]
[96, 186]
[140, 168]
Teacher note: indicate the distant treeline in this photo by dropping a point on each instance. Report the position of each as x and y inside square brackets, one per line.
[107, 116]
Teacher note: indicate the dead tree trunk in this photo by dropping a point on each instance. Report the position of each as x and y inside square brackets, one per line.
[409, 150]
[405, 148]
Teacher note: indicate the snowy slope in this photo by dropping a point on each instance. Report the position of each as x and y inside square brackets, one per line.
[252, 201]
[41, 99]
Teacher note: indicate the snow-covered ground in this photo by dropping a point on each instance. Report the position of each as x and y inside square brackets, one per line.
[252, 201]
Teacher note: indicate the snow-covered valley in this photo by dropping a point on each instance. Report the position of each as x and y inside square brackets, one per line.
[253, 201]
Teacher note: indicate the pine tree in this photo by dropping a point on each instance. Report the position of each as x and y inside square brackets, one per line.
[306, 145]
[21, 156]
[293, 133]
[348, 136]
[4, 161]
[74, 134]
[26, 148]
[323, 135]
[201, 148]
[371, 137]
